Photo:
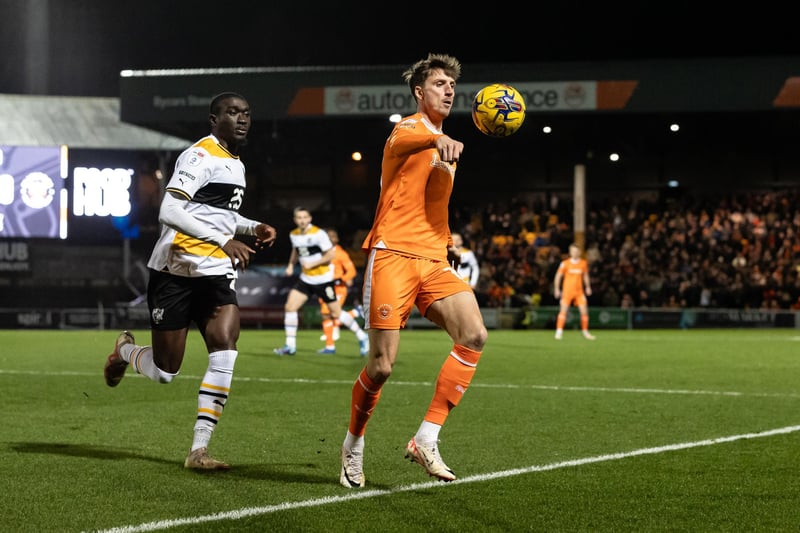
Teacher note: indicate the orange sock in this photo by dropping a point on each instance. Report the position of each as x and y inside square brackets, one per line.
[561, 320]
[585, 322]
[454, 378]
[364, 399]
[327, 329]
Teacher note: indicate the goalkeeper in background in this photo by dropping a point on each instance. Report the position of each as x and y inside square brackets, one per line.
[572, 285]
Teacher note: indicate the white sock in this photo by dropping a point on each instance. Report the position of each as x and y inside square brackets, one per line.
[213, 395]
[141, 359]
[202, 436]
[428, 433]
[350, 323]
[352, 442]
[290, 322]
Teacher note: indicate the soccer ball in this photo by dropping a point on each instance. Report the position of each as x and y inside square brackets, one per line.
[498, 110]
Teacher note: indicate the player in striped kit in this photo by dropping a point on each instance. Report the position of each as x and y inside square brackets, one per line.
[313, 249]
[193, 271]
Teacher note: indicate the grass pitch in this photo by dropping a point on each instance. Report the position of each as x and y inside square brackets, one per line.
[637, 431]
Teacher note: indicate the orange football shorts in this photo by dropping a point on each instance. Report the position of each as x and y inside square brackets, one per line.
[577, 298]
[394, 283]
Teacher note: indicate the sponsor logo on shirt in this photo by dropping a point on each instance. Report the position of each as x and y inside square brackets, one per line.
[196, 158]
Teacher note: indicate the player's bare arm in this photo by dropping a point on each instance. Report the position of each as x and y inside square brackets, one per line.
[324, 259]
[292, 261]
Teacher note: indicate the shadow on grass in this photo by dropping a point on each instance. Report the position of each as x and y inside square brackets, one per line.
[82, 450]
[285, 472]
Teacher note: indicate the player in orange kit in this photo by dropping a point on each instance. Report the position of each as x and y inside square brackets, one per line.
[574, 273]
[344, 270]
[408, 249]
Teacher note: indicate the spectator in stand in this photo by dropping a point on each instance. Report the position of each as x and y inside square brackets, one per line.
[626, 302]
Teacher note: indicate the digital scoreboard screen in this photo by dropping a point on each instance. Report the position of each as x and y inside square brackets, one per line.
[33, 193]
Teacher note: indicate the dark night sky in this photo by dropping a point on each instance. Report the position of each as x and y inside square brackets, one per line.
[78, 47]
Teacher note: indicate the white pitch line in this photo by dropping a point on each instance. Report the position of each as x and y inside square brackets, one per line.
[568, 388]
[360, 495]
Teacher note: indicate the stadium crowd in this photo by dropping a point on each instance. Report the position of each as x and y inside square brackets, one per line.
[736, 250]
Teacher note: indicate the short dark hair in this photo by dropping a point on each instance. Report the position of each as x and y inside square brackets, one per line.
[419, 71]
[216, 102]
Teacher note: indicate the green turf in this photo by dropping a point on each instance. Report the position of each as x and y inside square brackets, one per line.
[567, 435]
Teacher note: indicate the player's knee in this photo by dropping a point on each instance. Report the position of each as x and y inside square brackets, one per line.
[380, 369]
[382, 374]
[476, 338]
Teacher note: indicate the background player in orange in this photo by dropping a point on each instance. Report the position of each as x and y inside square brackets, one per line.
[344, 271]
[574, 273]
[408, 249]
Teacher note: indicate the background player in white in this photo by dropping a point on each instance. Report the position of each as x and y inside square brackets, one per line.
[193, 271]
[468, 267]
[313, 249]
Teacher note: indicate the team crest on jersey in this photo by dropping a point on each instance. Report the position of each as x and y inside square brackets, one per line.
[196, 158]
[436, 162]
[384, 311]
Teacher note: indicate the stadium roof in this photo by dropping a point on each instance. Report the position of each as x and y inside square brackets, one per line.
[78, 122]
